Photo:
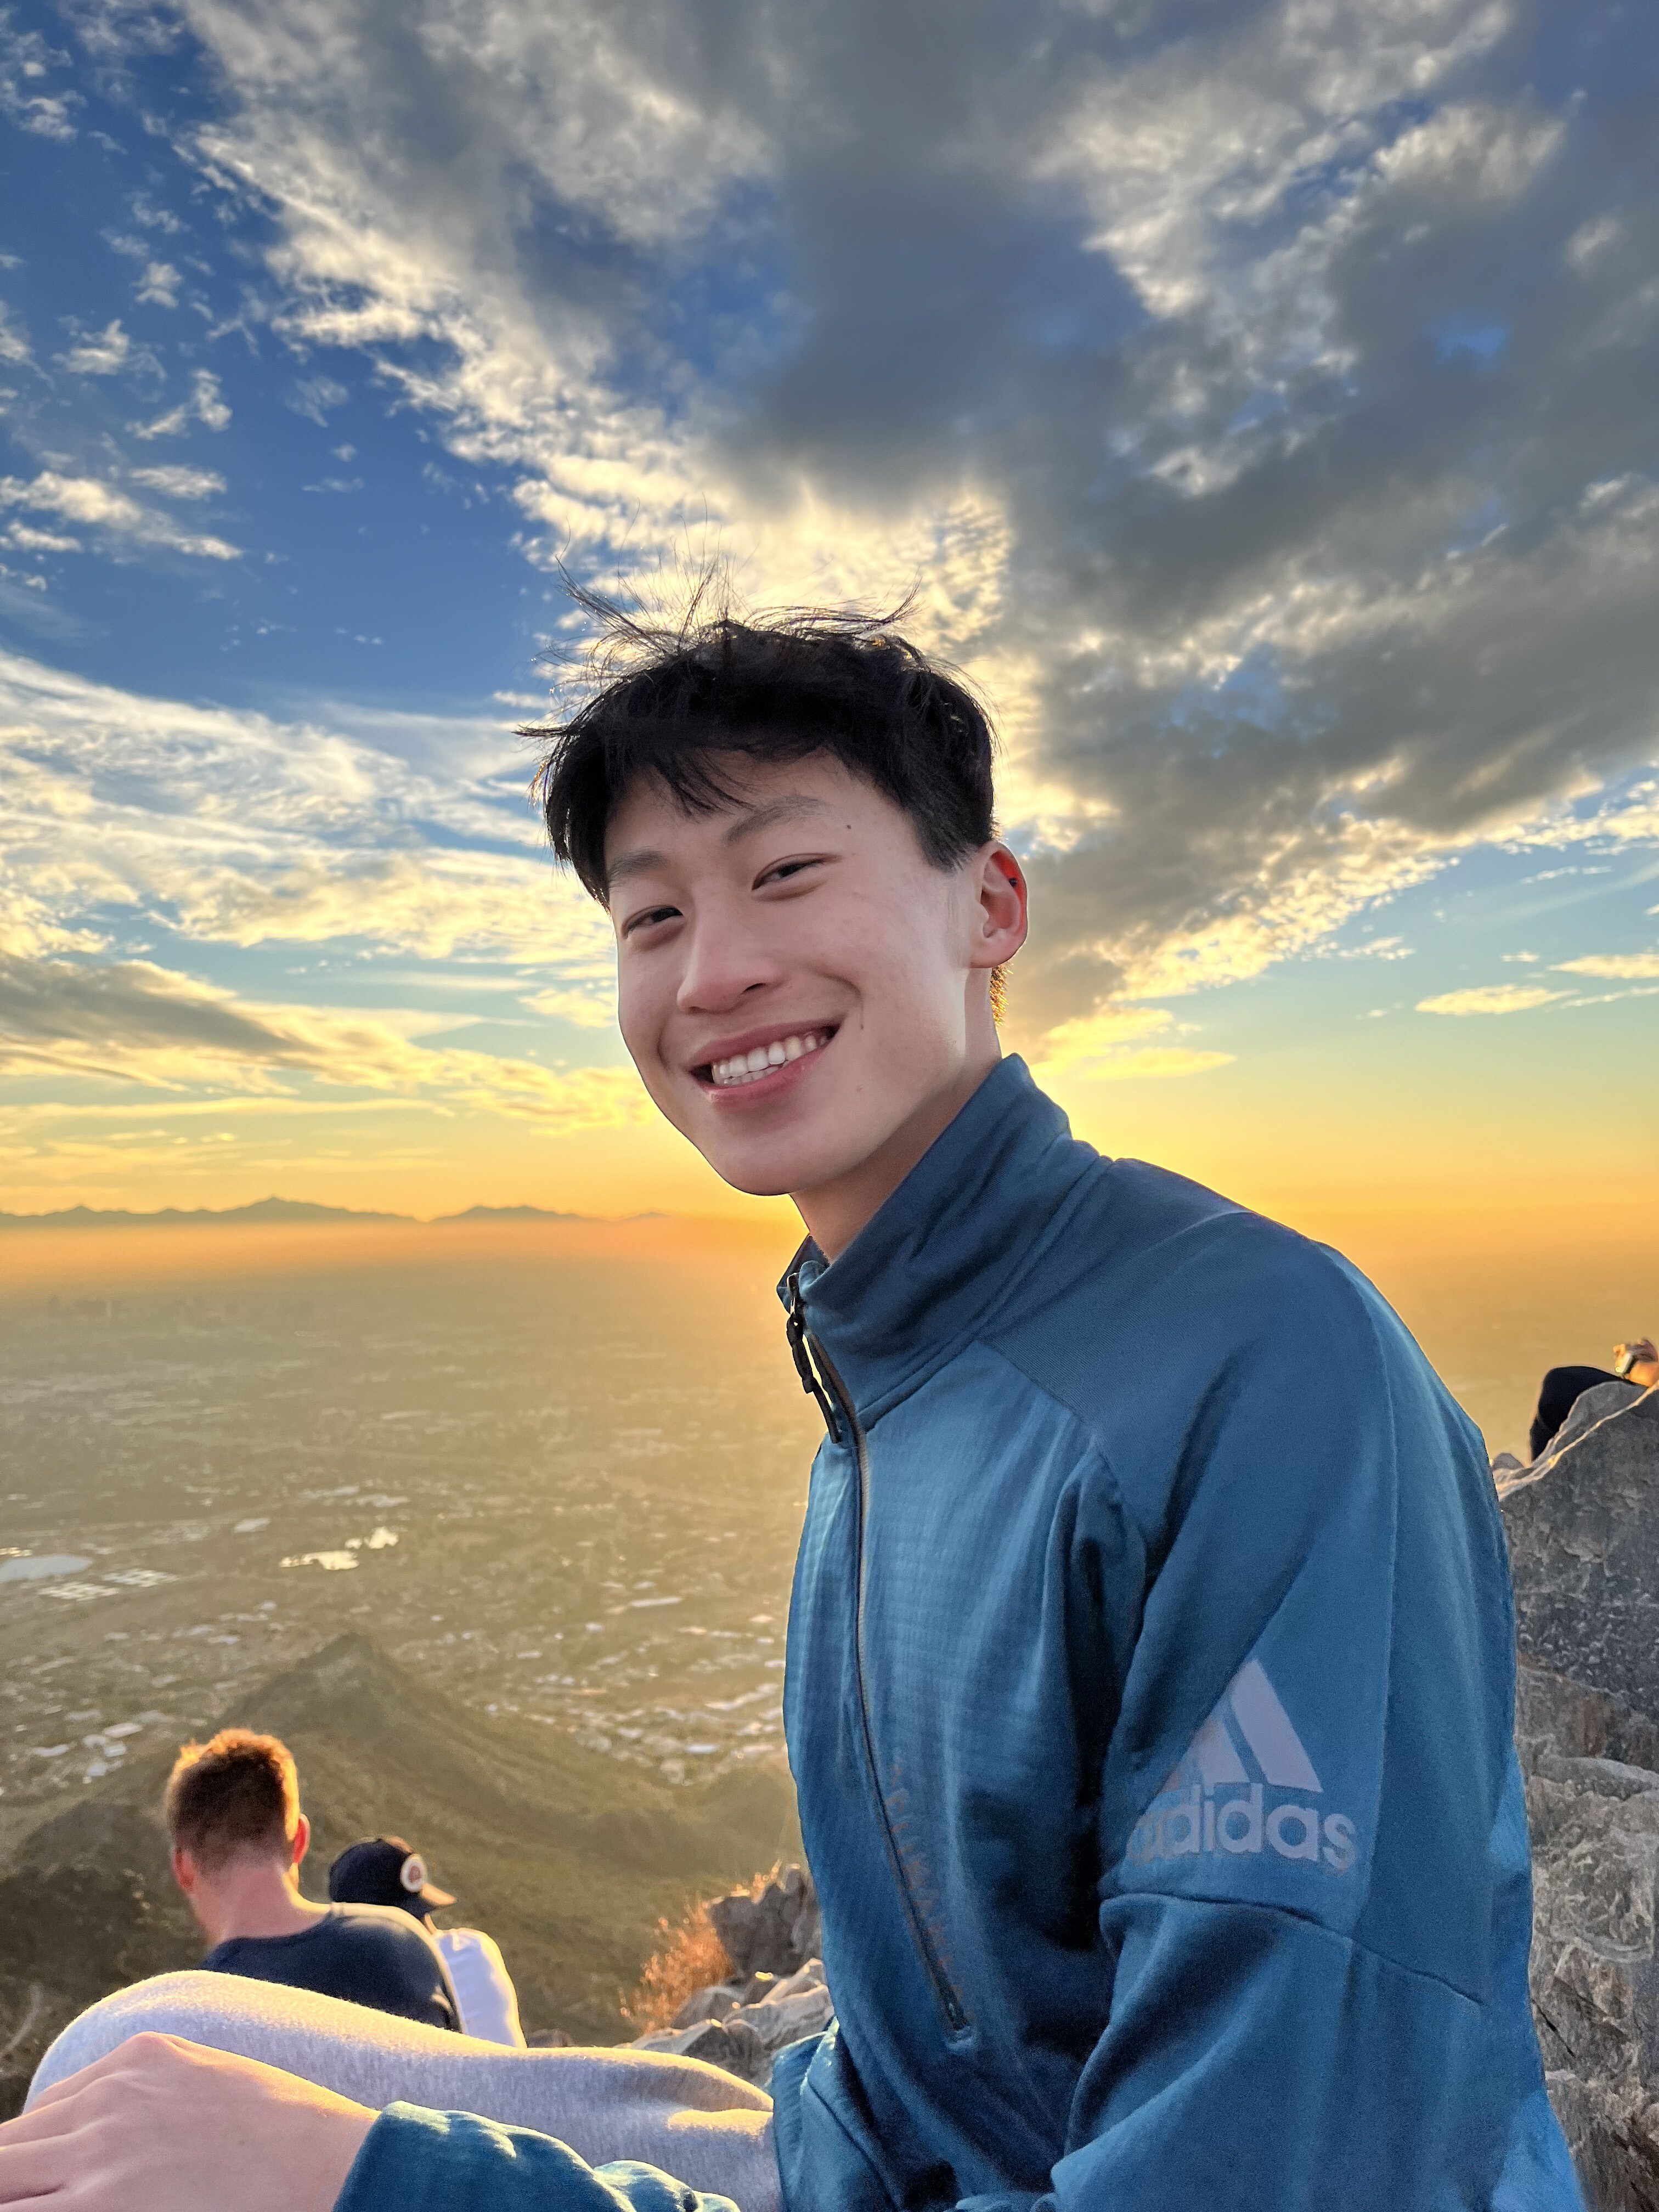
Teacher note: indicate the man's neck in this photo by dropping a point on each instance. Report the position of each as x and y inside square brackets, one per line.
[836, 1212]
[254, 1897]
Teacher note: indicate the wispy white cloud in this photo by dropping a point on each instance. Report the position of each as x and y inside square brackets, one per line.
[102, 506]
[1108, 1046]
[1492, 999]
[179, 483]
[28, 64]
[1616, 967]
[103, 353]
[206, 404]
[158, 282]
[238, 830]
[14, 345]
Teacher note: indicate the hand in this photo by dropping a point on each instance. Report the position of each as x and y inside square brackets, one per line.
[1645, 1369]
[163, 2125]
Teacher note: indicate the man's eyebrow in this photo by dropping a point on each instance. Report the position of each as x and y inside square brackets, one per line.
[638, 863]
[755, 818]
[750, 822]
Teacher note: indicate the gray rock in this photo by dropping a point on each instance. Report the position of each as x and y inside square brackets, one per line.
[1583, 1533]
[711, 2004]
[773, 1928]
[1554, 1715]
[733, 2045]
[1593, 1813]
[791, 2009]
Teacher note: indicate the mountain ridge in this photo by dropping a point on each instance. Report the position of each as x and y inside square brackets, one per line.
[570, 1859]
[297, 1211]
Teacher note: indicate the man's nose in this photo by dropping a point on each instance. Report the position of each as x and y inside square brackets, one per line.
[729, 956]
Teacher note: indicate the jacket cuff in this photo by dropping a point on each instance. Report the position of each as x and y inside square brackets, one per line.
[414, 2160]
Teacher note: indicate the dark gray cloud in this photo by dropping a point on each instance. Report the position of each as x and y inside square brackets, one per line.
[126, 1017]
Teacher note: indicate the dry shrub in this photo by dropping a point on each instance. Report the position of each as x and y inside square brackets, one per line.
[690, 1957]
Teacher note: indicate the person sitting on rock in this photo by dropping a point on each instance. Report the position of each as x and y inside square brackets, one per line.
[385, 1871]
[1151, 1666]
[239, 1838]
[1636, 1363]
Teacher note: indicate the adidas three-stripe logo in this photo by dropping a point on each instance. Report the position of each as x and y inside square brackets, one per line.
[1242, 1786]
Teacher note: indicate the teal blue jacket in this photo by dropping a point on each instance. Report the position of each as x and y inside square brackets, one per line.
[1149, 1699]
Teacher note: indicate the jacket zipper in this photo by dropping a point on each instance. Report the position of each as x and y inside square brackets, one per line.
[809, 1354]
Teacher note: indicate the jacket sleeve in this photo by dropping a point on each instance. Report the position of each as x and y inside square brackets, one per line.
[415, 2160]
[1314, 1899]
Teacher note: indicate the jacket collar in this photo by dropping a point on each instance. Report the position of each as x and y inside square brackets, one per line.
[923, 1271]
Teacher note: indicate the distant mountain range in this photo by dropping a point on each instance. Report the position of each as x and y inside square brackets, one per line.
[291, 1210]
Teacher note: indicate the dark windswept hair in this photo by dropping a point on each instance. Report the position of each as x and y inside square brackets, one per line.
[670, 697]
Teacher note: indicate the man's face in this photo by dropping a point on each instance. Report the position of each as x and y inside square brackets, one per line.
[798, 985]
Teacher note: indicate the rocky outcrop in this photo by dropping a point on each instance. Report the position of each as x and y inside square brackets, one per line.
[1584, 1547]
[1584, 1552]
[776, 1994]
[774, 1932]
[743, 2026]
[1594, 1819]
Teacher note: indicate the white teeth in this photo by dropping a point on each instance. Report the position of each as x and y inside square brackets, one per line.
[749, 1066]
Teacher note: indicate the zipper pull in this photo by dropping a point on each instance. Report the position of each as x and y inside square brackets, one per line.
[795, 1329]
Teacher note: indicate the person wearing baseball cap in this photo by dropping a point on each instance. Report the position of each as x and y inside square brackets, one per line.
[386, 1870]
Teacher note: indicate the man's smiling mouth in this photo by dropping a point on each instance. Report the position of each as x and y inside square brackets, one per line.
[761, 1060]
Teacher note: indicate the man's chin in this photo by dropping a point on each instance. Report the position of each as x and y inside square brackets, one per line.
[779, 1170]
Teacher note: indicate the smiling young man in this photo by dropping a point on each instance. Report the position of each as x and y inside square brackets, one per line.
[1149, 1666]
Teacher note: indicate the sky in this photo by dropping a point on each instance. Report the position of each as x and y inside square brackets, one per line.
[1262, 402]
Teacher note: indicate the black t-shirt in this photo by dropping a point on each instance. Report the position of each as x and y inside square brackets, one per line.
[370, 1954]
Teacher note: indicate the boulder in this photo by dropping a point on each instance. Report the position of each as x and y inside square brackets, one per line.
[733, 2045]
[791, 2009]
[1593, 1813]
[1583, 1533]
[771, 1927]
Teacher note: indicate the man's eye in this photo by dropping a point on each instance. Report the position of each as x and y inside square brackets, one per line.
[784, 871]
[652, 915]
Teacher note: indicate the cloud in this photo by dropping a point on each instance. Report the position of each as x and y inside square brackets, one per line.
[117, 517]
[178, 482]
[105, 354]
[158, 282]
[27, 539]
[1492, 999]
[27, 63]
[204, 405]
[1106, 1048]
[133, 1022]
[14, 346]
[158, 285]
[315, 396]
[235, 828]
[1267, 398]
[1617, 967]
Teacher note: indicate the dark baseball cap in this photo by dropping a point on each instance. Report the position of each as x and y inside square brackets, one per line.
[384, 1870]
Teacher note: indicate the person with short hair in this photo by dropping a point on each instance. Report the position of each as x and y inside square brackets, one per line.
[1636, 1364]
[386, 1870]
[239, 1838]
[1150, 1676]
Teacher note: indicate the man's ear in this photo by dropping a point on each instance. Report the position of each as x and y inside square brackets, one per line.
[1003, 920]
[183, 1869]
[302, 1841]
